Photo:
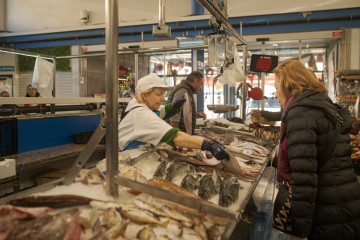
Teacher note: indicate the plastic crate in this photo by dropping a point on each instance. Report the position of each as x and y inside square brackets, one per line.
[83, 137]
[8, 137]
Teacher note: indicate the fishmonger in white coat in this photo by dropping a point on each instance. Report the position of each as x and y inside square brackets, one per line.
[142, 122]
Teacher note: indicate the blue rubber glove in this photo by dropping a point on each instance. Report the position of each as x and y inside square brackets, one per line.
[179, 102]
[217, 151]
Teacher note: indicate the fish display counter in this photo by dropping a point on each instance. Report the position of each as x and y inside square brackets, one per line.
[163, 193]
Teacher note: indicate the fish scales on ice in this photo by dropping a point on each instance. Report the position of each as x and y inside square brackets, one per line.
[209, 185]
[229, 191]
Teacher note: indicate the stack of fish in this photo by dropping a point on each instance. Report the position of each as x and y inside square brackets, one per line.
[144, 218]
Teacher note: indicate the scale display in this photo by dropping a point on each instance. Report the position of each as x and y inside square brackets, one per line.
[263, 63]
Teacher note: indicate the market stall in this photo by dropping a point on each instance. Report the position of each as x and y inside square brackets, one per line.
[150, 192]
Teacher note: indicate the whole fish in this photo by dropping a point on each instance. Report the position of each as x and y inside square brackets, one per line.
[190, 234]
[146, 233]
[90, 176]
[55, 201]
[113, 222]
[63, 225]
[162, 233]
[229, 191]
[9, 215]
[146, 162]
[191, 181]
[139, 216]
[187, 114]
[167, 185]
[160, 172]
[177, 170]
[150, 207]
[209, 186]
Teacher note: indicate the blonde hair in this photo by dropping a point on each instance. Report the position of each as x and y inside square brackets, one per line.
[294, 78]
[139, 97]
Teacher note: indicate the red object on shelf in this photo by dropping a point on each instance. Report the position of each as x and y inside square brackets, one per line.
[256, 93]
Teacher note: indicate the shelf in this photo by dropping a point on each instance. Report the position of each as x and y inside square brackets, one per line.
[354, 77]
[346, 100]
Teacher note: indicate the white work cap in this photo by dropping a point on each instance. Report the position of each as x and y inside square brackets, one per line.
[151, 81]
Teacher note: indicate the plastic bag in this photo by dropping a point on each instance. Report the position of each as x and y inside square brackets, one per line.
[234, 73]
[43, 73]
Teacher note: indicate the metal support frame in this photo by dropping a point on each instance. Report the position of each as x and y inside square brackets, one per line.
[244, 88]
[87, 152]
[263, 77]
[111, 80]
[222, 20]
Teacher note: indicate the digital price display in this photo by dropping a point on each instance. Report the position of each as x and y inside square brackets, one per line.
[263, 63]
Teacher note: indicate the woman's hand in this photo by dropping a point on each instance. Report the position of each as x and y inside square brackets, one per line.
[255, 113]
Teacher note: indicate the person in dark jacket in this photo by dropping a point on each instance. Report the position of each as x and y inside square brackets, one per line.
[325, 202]
[192, 85]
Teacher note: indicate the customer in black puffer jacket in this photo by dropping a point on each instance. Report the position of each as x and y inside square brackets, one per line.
[325, 202]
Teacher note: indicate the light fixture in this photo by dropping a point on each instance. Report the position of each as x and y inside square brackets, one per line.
[84, 17]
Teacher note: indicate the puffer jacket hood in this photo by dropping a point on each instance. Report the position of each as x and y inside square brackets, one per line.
[321, 101]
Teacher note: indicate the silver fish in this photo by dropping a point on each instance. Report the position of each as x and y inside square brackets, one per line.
[209, 186]
[160, 172]
[145, 160]
[229, 191]
[113, 221]
[139, 216]
[148, 206]
[190, 234]
[178, 170]
[191, 181]
[201, 230]
[146, 233]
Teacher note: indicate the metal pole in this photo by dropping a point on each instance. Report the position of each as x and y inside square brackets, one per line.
[136, 68]
[54, 79]
[300, 50]
[24, 53]
[111, 79]
[263, 77]
[244, 88]
[161, 12]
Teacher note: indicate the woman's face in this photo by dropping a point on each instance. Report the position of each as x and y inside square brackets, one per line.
[155, 98]
[31, 91]
[279, 94]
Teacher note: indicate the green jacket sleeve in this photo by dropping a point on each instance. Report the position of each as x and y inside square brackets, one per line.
[170, 110]
[169, 136]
